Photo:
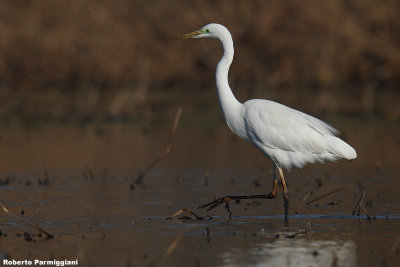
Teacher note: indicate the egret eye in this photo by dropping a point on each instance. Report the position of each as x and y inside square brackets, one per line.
[207, 30]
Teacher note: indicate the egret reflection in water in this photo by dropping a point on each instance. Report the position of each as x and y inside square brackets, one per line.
[294, 252]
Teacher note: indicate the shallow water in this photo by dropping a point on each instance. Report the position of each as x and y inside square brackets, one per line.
[78, 183]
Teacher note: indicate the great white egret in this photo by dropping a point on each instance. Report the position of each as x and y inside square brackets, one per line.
[288, 137]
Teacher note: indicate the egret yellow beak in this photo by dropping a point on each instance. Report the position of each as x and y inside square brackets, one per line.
[188, 35]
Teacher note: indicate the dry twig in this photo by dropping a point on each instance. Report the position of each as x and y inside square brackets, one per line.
[171, 247]
[89, 172]
[359, 204]
[306, 230]
[35, 226]
[166, 151]
[327, 194]
[392, 250]
[361, 208]
[185, 210]
[46, 173]
[302, 202]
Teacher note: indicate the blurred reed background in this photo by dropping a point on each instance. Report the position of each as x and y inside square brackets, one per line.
[87, 60]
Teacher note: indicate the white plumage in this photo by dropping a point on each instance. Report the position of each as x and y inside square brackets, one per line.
[288, 137]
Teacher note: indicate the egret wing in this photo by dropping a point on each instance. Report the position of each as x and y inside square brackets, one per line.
[279, 127]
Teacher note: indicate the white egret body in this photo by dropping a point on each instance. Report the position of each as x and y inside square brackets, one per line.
[288, 137]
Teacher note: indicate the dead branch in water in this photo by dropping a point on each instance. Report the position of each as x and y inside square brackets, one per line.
[46, 173]
[392, 250]
[171, 246]
[327, 194]
[166, 151]
[35, 226]
[302, 202]
[307, 230]
[361, 207]
[89, 172]
[359, 204]
[173, 216]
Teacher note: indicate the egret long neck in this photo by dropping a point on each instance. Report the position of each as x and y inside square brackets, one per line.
[229, 104]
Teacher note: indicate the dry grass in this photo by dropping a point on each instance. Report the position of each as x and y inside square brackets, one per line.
[113, 58]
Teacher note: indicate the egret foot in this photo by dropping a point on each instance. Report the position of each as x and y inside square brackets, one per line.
[227, 199]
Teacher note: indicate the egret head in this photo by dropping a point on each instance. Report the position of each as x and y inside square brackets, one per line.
[212, 30]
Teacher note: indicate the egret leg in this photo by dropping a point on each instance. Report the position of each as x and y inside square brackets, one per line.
[227, 199]
[285, 194]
